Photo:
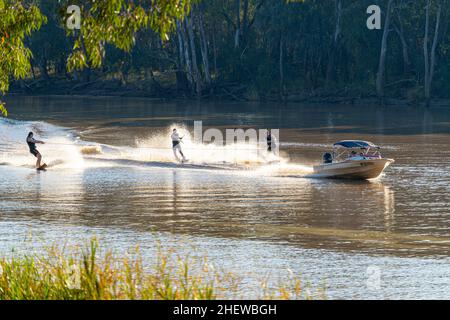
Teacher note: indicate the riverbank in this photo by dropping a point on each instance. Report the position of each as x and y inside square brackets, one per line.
[91, 272]
[166, 89]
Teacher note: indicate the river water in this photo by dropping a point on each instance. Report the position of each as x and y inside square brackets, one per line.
[112, 174]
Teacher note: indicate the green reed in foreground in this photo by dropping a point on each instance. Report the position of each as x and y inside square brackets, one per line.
[84, 274]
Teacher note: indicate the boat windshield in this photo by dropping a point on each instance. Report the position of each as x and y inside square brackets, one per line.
[358, 153]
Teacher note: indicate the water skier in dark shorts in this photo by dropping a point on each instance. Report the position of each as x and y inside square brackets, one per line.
[176, 140]
[32, 145]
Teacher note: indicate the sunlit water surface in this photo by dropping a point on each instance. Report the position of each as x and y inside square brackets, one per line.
[112, 175]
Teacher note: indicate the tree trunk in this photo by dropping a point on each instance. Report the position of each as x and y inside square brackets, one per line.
[32, 69]
[43, 69]
[204, 48]
[430, 60]
[184, 37]
[195, 72]
[237, 35]
[281, 67]
[244, 25]
[382, 61]
[425, 47]
[181, 74]
[401, 34]
[215, 50]
[180, 45]
[335, 43]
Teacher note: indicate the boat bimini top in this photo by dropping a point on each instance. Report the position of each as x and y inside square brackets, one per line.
[348, 148]
[355, 144]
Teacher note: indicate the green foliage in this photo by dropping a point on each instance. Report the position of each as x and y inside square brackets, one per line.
[164, 13]
[90, 273]
[17, 20]
[113, 22]
[116, 22]
[3, 110]
[259, 46]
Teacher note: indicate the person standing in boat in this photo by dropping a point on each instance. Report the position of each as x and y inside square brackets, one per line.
[176, 145]
[32, 145]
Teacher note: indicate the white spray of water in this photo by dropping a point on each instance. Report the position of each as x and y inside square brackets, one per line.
[59, 149]
[159, 148]
[62, 150]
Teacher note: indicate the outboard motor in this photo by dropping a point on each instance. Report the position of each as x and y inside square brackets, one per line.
[327, 158]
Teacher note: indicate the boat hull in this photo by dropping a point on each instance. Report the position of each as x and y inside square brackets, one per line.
[353, 169]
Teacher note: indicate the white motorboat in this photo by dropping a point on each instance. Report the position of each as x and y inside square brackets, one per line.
[353, 159]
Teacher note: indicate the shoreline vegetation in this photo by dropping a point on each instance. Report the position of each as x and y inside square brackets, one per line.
[167, 91]
[91, 273]
[246, 50]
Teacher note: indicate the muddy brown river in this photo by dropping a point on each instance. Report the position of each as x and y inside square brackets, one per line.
[112, 174]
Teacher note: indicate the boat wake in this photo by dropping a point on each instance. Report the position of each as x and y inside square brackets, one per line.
[162, 164]
[63, 149]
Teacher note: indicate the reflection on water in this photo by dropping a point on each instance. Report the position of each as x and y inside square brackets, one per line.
[112, 179]
[389, 208]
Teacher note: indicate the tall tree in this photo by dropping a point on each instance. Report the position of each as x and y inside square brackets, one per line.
[400, 30]
[204, 46]
[335, 41]
[17, 20]
[195, 70]
[382, 62]
[430, 58]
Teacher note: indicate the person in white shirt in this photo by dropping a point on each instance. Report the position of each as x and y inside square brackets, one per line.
[176, 140]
